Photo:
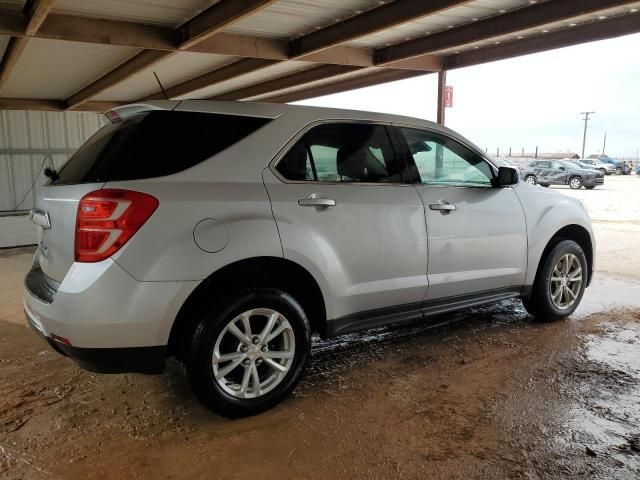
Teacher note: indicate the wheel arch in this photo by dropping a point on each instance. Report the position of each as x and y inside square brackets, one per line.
[578, 234]
[275, 272]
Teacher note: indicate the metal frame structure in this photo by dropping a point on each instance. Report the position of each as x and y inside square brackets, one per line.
[333, 55]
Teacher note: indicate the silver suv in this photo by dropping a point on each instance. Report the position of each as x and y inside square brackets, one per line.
[225, 234]
[605, 168]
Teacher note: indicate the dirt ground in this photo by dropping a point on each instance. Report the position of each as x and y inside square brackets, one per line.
[492, 395]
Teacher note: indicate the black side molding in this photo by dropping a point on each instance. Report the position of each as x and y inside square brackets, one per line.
[413, 311]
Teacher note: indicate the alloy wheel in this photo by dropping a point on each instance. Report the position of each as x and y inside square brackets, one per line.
[566, 281]
[253, 353]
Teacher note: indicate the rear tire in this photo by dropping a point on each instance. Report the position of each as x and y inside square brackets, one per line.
[530, 179]
[591, 187]
[566, 260]
[266, 369]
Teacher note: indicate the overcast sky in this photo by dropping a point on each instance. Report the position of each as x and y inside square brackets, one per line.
[528, 101]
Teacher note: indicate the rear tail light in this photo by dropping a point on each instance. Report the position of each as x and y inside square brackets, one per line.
[107, 219]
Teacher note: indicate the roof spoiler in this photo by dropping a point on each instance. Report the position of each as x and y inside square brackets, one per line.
[118, 113]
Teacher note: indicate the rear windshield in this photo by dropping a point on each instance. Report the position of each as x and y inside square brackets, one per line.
[154, 144]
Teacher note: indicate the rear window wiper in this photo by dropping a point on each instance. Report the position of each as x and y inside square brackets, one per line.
[51, 173]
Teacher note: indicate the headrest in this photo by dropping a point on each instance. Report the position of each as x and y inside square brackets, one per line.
[352, 162]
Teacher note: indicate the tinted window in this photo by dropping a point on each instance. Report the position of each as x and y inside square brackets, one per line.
[443, 161]
[342, 152]
[154, 144]
[557, 165]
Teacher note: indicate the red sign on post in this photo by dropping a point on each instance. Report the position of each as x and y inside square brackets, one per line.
[448, 96]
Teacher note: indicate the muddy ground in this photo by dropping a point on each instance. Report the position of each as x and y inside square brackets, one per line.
[492, 395]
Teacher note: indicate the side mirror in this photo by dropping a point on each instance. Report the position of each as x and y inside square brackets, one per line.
[506, 176]
[562, 169]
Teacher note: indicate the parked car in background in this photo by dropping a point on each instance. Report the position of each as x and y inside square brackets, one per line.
[562, 172]
[584, 166]
[226, 233]
[621, 166]
[518, 166]
[605, 168]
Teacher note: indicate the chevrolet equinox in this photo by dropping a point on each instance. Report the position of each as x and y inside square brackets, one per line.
[226, 233]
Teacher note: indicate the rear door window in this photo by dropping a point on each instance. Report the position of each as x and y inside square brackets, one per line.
[343, 152]
[155, 144]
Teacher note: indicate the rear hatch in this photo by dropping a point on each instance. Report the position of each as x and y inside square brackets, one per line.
[136, 144]
[60, 204]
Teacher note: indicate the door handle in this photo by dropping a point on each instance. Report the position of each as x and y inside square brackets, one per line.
[444, 207]
[314, 200]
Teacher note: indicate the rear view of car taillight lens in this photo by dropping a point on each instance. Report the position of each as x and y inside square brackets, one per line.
[107, 219]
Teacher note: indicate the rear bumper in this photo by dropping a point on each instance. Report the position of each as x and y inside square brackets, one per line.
[148, 360]
[112, 322]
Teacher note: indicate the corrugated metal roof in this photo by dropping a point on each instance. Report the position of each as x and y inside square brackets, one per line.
[290, 18]
[252, 78]
[57, 69]
[169, 13]
[449, 18]
[175, 69]
[365, 72]
[26, 138]
[591, 17]
[54, 69]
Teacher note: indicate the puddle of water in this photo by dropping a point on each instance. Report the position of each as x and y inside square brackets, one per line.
[607, 292]
[607, 419]
[618, 347]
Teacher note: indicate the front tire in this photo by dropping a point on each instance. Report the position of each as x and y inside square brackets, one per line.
[249, 356]
[590, 187]
[575, 183]
[559, 284]
[531, 180]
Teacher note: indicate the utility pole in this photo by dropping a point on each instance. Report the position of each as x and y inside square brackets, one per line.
[604, 144]
[584, 135]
